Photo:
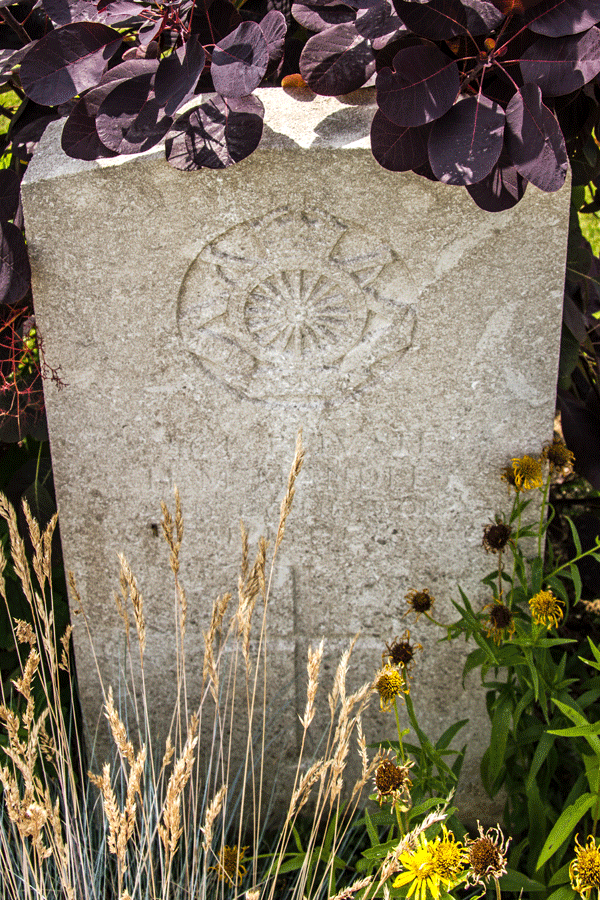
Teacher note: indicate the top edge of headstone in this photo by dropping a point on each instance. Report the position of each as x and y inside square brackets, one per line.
[295, 119]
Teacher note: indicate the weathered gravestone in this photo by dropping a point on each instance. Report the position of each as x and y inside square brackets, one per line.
[199, 320]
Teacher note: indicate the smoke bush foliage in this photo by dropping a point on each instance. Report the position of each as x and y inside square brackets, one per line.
[485, 94]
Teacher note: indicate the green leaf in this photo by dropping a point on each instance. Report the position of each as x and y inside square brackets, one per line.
[536, 575]
[516, 881]
[501, 721]
[576, 579]
[592, 772]
[475, 659]
[563, 827]
[561, 876]
[563, 893]
[577, 730]
[542, 750]
[450, 733]
[575, 535]
[576, 717]
[371, 830]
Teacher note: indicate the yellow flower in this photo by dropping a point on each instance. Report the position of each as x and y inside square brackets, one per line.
[584, 870]
[420, 870]
[389, 684]
[527, 473]
[450, 859]
[546, 609]
[230, 864]
[487, 856]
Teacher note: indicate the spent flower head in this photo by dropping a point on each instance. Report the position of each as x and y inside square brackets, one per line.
[558, 455]
[401, 652]
[389, 684]
[496, 536]
[546, 609]
[230, 865]
[393, 783]
[419, 601]
[584, 870]
[487, 855]
[501, 623]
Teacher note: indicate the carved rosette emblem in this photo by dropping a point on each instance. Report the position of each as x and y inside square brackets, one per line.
[297, 306]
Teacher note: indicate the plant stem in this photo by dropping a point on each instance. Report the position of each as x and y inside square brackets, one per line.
[542, 514]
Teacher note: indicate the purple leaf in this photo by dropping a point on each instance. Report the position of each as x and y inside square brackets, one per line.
[319, 18]
[398, 147]
[213, 21]
[129, 119]
[15, 272]
[216, 134]
[240, 60]
[177, 75]
[501, 189]
[9, 193]
[466, 143]
[482, 16]
[422, 87]
[562, 66]
[68, 61]
[79, 138]
[378, 21]
[558, 18]
[62, 12]
[437, 20]
[115, 11]
[337, 61]
[274, 28]
[581, 428]
[534, 140]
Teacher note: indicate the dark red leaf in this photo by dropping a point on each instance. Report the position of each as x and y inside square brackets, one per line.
[177, 75]
[129, 119]
[79, 138]
[116, 11]
[423, 86]
[501, 189]
[466, 143]
[482, 16]
[562, 66]
[337, 61]
[240, 60]
[67, 61]
[534, 140]
[62, 12]
[213, 21]
[557, 18]
[319, 18]
[9, 193]
[437, 20]
[274, 28]
[398, 147]
[581, 428]
[379, 21]
[216, 134]
[15, 271]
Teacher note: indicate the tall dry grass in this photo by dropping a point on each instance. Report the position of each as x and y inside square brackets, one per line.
[159, 822]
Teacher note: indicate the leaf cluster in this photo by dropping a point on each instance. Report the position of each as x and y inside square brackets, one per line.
[487, 95]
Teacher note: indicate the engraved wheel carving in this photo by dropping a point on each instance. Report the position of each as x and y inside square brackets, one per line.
[296, 306]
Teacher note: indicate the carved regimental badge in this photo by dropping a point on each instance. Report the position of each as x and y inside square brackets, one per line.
[297, 306]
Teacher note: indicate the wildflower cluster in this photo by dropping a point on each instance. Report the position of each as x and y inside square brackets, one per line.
[443, 862]
[584, 870]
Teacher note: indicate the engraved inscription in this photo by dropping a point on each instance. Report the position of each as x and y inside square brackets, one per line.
[297, 306]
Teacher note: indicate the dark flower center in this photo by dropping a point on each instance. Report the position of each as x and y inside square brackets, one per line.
[484, 856]
[500, 616]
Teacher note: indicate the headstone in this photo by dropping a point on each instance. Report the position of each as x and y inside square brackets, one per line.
[199, 320]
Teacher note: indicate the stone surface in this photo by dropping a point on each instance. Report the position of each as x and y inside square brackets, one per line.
[199, 320]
